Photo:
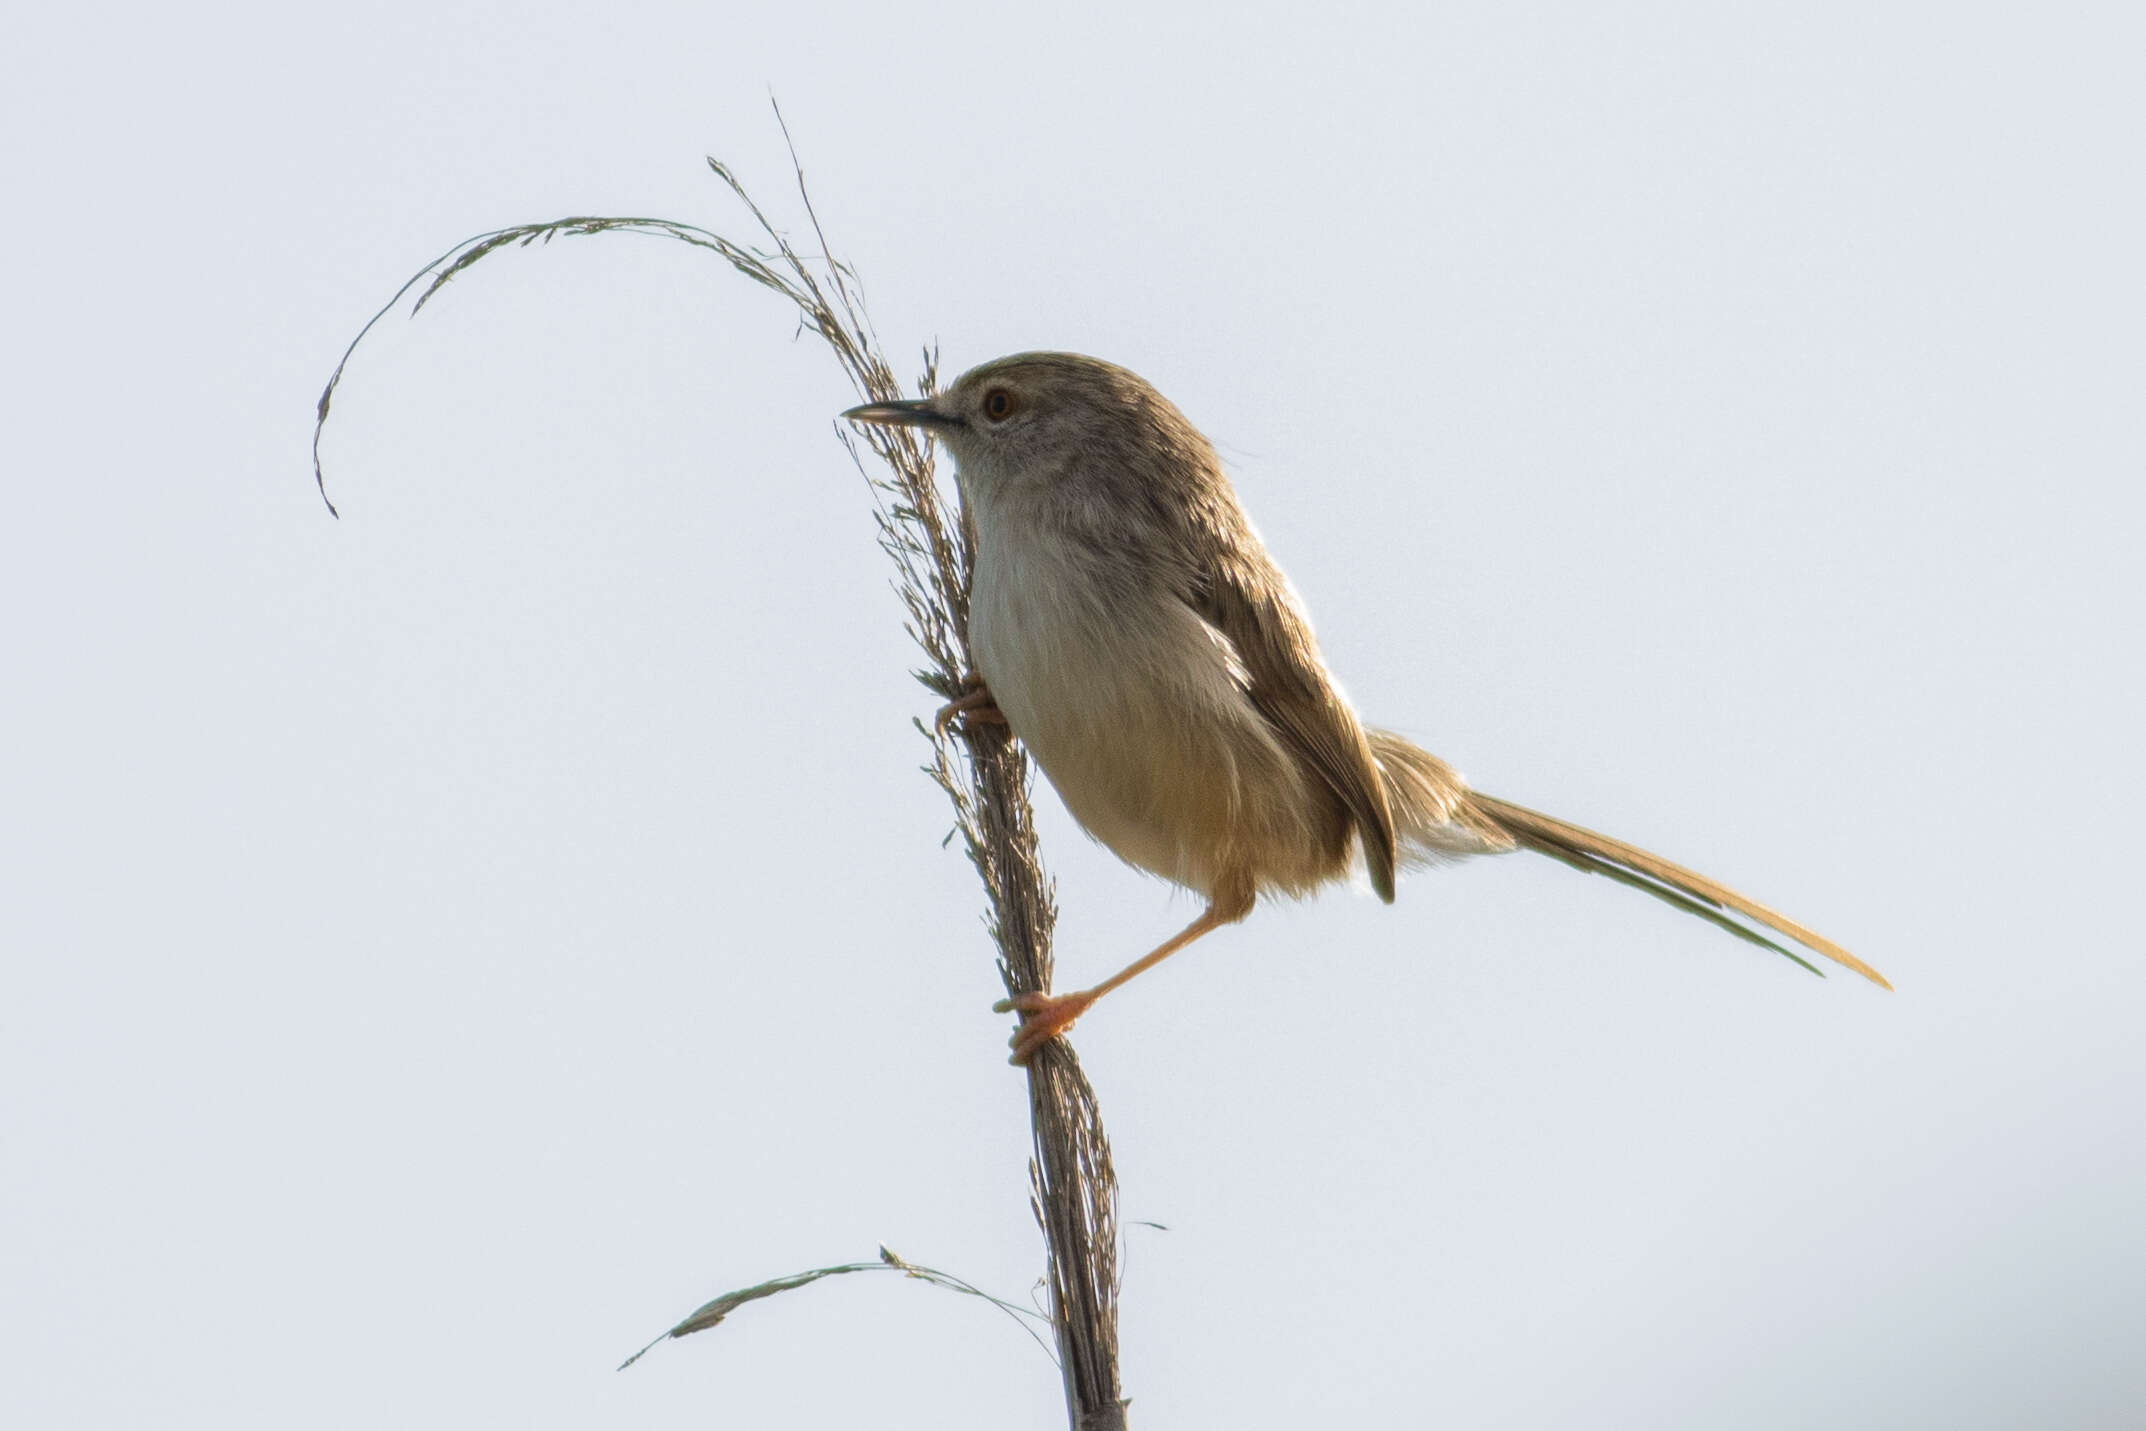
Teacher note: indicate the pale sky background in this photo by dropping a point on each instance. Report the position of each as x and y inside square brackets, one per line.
[444, 946]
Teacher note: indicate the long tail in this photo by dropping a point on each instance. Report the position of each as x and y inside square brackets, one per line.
[1672, 884]
[1438, 818]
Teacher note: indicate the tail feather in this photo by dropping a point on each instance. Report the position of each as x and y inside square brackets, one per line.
[1434, 818]
[1672, 884]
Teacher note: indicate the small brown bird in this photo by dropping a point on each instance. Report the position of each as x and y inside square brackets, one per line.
[1127, 623]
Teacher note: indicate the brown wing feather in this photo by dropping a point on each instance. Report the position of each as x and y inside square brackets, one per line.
[1288, 684]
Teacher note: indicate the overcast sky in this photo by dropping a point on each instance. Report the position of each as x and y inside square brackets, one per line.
[445, 945]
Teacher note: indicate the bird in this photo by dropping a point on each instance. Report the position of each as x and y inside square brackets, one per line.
[1129, 627]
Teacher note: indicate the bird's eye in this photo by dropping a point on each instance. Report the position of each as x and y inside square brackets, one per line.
[998, 404]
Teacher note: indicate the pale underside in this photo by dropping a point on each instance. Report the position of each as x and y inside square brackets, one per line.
[1140, 716]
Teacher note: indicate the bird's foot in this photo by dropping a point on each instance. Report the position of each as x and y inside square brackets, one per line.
[1043, 1018]
[977, 706]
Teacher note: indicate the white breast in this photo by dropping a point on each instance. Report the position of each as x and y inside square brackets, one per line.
[1133, 706]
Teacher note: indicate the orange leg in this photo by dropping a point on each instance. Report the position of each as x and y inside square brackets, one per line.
[1045, 1016]
[977, 705]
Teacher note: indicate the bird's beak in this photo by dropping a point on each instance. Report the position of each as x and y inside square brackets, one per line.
[911, 412]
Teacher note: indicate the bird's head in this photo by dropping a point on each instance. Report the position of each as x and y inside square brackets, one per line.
[1045, 418]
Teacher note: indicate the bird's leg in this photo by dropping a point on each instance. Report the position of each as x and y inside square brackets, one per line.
[1045, 1016]
[977, 705]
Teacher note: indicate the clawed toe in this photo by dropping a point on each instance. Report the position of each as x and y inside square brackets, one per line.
[976, 706]
[1043, 1018]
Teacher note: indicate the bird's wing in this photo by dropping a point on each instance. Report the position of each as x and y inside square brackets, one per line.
[1257, 614]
